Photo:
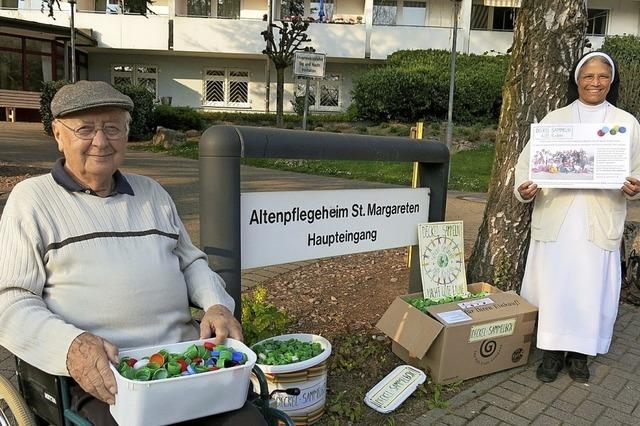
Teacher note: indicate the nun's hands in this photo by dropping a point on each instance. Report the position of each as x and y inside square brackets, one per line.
[528, 190]
[631, 187]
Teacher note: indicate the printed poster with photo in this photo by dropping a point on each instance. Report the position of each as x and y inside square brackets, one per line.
[593, 155]
[442, 259]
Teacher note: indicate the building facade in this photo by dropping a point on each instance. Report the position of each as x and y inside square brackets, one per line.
[208, 54]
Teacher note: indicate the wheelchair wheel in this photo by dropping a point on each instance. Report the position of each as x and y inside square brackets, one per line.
[13, 408]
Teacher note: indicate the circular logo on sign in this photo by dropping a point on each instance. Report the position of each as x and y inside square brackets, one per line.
[516, 355]
[441, 260]
[487, 348]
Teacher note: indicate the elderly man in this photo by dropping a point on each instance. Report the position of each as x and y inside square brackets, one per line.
[92, 259]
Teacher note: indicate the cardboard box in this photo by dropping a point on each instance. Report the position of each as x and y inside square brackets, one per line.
[462, 340]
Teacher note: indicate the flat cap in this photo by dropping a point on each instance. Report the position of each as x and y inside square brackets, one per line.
[83, 95]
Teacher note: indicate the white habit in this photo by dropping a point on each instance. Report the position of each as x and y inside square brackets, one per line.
[574, 283]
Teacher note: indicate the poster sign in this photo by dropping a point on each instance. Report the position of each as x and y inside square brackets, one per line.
[288, 226]
[594, 155]
[307, 64]
[442, 259]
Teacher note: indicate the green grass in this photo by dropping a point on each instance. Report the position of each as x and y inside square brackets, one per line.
[470, 169]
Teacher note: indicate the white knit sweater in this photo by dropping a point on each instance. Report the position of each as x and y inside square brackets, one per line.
[121, 267]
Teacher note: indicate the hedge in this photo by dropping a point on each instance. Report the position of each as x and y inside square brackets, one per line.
[178, 118]
[625, 50]
[140, 127]
[414, 84]
[49, 89]
[142, 114]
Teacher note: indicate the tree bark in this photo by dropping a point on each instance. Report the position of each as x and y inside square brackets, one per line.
[548, 40]
[279, 97]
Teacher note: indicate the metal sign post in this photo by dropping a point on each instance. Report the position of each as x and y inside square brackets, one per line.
[72, 4]
[221, 148]
[306, 103]
[309, 65]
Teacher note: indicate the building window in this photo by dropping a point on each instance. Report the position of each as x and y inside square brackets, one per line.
[327, 8]
[229, 9]
[9, 4]
[493, 18]
[289, 8]
[384, 12]
[504, 18]
[414, 12]
[597, 22]
[324, 94]
[140, 75]
[226, 88]
[199, 7]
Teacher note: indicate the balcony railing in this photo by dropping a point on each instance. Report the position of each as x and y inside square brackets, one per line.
[239, 36]
[496, 42]
[388, 39]
[338, 41]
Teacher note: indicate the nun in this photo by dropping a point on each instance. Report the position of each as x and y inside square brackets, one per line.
[573, 272]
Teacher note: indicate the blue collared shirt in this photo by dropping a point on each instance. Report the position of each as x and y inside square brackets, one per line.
[65, 180]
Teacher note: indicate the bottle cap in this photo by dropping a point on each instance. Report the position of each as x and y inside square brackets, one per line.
[160, 373]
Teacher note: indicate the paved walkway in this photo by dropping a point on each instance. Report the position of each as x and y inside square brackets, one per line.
[511, 397]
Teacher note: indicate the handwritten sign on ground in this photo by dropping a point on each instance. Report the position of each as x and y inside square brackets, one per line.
[442, 259]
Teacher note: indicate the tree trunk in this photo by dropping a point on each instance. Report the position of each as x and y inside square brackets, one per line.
[279, 97]
[548, 40]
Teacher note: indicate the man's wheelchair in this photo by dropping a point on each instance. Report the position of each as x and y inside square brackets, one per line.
[43, 399]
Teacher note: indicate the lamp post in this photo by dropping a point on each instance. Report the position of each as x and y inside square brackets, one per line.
[72, 4]
[452, 76]
[267, 94]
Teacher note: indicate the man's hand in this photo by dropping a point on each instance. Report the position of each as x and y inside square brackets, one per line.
[220, 321]
[631, 187]
[528, 190]
[88, 364]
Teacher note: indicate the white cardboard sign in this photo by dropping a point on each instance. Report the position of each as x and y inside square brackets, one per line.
[586, 155]
[307, 64]
[288, 226]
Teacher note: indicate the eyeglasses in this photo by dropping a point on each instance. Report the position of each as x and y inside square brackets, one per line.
[592, 77]
[88, 131]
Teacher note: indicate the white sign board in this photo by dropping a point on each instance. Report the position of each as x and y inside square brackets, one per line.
[308, 64]
[587, 155]
[282, 227]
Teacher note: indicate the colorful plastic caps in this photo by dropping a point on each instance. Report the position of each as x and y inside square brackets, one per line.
[195, 360]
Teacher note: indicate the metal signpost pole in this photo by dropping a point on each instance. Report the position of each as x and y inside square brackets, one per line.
[267, 96]
[222, 146]
[72, 4]
[306, 103]
[452, 77]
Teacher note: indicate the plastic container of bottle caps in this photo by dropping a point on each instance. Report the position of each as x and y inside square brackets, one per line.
[390, 392]
[177, 399]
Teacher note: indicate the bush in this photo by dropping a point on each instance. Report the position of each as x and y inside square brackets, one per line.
[414, 85]
[49, 89]
[625, 50]
[142, 114]
[298, 104]
[178, 118]
[260, 319]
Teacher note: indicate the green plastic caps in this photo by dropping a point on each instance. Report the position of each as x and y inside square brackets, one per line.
[423, 304]
[282, 352]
